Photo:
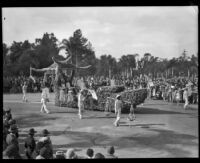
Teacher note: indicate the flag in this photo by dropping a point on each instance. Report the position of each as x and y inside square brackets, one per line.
[93, 93]
[31, 77]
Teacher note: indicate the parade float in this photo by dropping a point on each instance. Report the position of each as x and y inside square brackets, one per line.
[107, 96]
[102, 99]
[59, 72]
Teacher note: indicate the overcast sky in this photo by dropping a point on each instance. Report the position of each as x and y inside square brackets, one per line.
[162, 31]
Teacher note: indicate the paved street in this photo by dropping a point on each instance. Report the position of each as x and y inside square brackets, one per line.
[161, 129]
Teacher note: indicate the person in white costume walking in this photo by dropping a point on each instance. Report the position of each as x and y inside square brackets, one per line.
[24, 91]
[118, 107]
[45, 99]
[81, 98]
[185, 97]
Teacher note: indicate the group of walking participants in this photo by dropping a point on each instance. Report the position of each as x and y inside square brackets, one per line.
[171, 90]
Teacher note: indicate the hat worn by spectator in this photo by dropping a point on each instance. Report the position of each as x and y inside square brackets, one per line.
[70, 154]
[32, 131]
[13, 128]
[99, 156]
[45, 132]
[111, 150]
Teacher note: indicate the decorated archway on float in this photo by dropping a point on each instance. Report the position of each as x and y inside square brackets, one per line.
[59, 68]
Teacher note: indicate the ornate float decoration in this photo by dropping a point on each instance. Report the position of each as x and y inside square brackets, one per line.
[57, 68]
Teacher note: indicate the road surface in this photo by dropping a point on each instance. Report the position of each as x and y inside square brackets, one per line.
[161, 129]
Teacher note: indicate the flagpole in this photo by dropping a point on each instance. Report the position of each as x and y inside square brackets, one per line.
[30, 71]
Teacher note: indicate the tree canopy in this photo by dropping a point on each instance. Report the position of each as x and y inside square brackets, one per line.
[21, 55]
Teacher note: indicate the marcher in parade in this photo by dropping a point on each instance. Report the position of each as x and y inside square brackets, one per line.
[24, 91]
[178, 96]
[131, 115]
[30, 144]
[62, 92]
[81, 99]
[118, 107]
[169, 93]
[45, 99]
[185, 97]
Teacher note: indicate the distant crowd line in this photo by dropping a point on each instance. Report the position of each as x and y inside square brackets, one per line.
[166, 89]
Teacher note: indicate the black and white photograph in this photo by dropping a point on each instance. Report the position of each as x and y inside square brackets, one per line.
[100, 82]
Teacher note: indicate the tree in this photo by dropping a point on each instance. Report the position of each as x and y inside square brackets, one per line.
[81, 52]
[107, 65]
[45, 49]
[16, 51]
[27, 59]
[5, 53]
[127, 63]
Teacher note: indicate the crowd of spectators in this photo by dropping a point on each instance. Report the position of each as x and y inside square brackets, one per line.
[14, 84]
[172, 90]
[41, 147]
[161, 88]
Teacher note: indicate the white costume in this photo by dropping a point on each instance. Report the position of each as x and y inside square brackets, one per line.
[118, 107]
[185, 97]
[44, 99]
[24, 90]
[81, 99]
[62, 94]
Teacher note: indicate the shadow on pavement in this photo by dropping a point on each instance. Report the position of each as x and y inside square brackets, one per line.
[55, 111]
[140, 125]
[81, 139]
[145, 104]
[161, 141]
[96, 117]
[143, 110]
[33, 120]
